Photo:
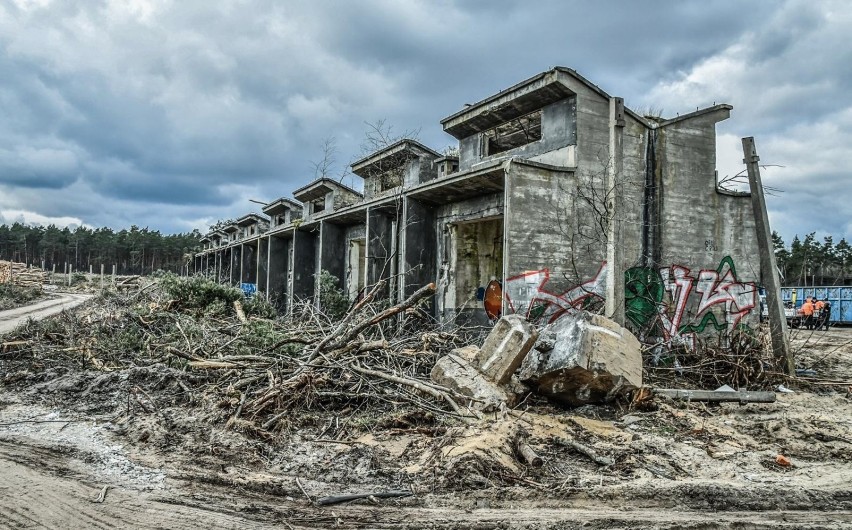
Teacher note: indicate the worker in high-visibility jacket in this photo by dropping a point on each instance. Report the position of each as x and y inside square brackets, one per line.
[807, 311]
[818, 306]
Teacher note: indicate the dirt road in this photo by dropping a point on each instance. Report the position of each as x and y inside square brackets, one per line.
[54, 487]
[11, 318]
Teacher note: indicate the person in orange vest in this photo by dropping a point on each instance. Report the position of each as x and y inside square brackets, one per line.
[825, 315]
[807, 311]
[818, 305]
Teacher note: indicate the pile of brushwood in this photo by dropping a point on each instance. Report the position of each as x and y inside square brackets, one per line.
[263, 371]
[741, 359]
[12, 296]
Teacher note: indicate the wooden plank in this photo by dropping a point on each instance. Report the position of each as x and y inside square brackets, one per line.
[715, 396]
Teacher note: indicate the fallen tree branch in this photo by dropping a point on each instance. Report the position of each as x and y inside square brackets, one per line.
[337, 499]
[586, 451]
[419, 386]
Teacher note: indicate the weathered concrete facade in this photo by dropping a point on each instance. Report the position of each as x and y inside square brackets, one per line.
[560, 198]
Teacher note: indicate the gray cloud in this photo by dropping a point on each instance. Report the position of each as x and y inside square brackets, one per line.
[172, 114]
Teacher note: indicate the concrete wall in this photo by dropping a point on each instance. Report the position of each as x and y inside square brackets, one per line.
[554, 246]
[332, 254]
[280, 268]
[248, 266]
[381, 242]
[263, 264]
[419, 246]
[708, 265]
[304, 255]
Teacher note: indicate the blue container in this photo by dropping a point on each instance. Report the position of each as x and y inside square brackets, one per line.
[839, 296]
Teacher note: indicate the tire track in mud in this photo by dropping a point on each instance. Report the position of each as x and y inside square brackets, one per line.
[40, 489]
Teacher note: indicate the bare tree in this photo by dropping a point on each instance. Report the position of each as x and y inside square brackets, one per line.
[323, 167]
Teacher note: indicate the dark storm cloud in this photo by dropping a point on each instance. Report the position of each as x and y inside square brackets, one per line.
[173, 114]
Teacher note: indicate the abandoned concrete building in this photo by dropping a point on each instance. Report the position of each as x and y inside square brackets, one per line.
[560, 198]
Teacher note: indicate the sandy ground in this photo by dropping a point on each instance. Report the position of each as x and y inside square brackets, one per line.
[75, 452]
[62, 301]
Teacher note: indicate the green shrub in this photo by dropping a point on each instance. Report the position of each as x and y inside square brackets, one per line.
[199, 293]
[258, 306]
[333, 301]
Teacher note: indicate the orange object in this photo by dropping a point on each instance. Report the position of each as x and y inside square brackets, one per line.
[493, 300]
[808, 308]
[782, 460]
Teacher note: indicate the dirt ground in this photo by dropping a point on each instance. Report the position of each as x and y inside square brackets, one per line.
[44, 308]
[134, 448]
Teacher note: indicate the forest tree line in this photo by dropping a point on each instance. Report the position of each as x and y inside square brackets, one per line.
[811, 262]
[133, 251]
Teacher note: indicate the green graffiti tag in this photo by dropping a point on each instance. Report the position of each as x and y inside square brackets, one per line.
[643, 293]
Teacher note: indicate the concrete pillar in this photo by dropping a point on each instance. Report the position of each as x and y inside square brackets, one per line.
[614, 307]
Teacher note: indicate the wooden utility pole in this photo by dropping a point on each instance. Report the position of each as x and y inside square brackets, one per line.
[768, 267]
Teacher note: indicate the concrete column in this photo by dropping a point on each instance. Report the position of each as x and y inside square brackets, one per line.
[768, 267]
[614, 307]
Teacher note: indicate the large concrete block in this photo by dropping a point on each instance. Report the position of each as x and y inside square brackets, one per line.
[505, 348]
[456, 373]
[584, 358]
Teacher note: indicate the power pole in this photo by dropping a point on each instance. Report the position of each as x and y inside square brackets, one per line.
[768, 267]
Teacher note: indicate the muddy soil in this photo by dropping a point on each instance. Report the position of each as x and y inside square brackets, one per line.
[141, 448]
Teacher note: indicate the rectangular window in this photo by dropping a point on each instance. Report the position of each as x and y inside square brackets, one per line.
[319, 205]
[512, 134]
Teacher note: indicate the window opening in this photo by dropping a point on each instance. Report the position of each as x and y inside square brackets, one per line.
[512, 134]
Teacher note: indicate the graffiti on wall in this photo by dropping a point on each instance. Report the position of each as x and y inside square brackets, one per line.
[670, 304]
[674, 304]
[530, 295]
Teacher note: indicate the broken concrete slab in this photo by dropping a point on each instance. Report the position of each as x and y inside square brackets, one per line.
[454, 372]
[587, 359]
[505, 348]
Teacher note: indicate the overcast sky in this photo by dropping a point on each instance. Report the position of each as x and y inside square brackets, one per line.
[173, 114]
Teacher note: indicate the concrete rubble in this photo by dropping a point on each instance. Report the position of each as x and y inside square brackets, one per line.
[483, 374]
[579, 359]
[583, 358]
[456, 372]
[505, 348]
